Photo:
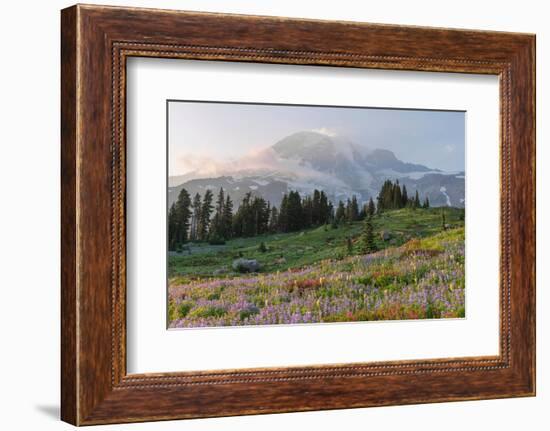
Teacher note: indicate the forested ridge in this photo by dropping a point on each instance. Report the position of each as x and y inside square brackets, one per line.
[200, 218]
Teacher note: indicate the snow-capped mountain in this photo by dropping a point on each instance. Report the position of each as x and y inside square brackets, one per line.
[309, 160]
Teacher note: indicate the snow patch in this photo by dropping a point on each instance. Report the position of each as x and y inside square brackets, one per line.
[253, 187]
[444, 191]
[416, 175]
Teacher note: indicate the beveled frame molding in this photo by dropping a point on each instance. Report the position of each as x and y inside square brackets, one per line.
[96, 41]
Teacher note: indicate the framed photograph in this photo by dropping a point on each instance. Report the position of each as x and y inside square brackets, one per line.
[265, 215]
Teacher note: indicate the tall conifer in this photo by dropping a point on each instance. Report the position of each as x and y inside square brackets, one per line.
[206, 212]
[340, 212]
[370, 208]
[196, 217]
[227, 218]
[274, 220]
[404, 197]
[367, 237]
[416, 200]
[354, 209]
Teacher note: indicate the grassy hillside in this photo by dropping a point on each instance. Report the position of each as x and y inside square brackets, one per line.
[423, 278]
[299, 249]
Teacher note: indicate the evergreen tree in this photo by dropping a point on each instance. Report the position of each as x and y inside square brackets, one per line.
[227, 218]
[239, 217]
[443, 221]
[260, 210]
[340, 212]
[274, 220]
[386, 196]
[367, 237]
[295, 212]
[416, 200]
[354, 209]
[308, 211]
[178, 220]
[249, 222]
[196, 217]
[172, 228]
[205, 213]
[220, 202]
[426, 202]
[330, 213]
[283, 214]
[316, 211]
[404, 197]
[265, 217]
[348, 209]
[252, 217]
[396, 196]
[371, 208]
[325, 209]
[183, 213]
[216, 226]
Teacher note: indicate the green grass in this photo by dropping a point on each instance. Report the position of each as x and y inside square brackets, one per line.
[298, 249]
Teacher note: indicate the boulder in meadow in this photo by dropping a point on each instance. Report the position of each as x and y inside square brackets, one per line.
[246, 265]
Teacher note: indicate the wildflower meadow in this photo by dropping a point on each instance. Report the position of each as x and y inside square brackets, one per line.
[421, 279]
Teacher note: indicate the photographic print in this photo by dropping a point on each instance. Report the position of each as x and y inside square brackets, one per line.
[300, 214]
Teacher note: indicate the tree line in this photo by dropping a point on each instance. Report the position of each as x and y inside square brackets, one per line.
[202, 219]
[199, 219]
[393, 196]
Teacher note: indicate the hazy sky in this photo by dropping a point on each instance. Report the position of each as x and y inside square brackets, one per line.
[202, 133]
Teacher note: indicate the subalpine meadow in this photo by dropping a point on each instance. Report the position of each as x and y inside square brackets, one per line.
[297, 214]
[414, 270]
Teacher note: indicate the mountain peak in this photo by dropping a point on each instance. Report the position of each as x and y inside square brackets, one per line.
[303, 143]
[380, 156]
[319, 159]
[383, 159]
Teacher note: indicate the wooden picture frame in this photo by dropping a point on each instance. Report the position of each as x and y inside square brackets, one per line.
[95, 43]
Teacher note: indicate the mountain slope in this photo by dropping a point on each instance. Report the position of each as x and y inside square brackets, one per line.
[309, 160]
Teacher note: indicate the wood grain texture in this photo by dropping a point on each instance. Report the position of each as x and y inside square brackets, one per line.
[69, 397]
[96, 41]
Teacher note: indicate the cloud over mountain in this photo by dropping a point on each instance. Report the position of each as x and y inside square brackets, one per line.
[319, 159]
